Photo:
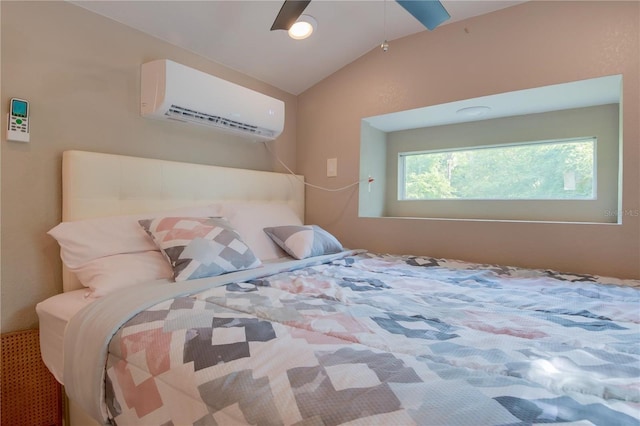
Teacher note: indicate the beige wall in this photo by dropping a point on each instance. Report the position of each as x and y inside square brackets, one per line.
[80, 72]
[535, 44]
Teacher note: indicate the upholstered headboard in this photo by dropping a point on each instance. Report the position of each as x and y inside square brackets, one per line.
[95, 184]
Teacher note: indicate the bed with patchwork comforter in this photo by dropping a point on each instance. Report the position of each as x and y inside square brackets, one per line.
[367, 339]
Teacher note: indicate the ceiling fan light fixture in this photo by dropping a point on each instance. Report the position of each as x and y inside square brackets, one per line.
[303, 27]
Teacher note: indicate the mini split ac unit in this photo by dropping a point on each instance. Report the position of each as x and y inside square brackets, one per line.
[171, 91]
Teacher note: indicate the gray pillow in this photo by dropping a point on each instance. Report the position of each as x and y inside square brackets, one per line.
[302, 241]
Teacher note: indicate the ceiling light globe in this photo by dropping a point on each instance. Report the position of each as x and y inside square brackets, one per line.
[303, 28]
[474, 111]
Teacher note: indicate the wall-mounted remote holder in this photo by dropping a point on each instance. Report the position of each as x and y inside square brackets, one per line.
[18, 121]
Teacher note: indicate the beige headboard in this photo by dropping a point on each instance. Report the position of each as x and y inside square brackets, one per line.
[95, 184]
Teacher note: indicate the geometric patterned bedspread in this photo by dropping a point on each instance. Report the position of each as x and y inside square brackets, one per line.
[388, 340]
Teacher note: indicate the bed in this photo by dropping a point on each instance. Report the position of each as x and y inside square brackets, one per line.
[153, 328]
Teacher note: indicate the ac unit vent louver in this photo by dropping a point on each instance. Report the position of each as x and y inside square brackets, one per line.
[185, 114]
[176, 92]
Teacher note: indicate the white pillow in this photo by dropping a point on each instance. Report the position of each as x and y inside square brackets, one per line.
[107, 274]
[108, 253]
[85, 240]
[250, 218]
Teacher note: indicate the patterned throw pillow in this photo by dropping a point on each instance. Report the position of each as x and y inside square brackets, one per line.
[304, 241]
[200, 247]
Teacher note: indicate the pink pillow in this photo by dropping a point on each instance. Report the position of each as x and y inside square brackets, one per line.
[199, 247]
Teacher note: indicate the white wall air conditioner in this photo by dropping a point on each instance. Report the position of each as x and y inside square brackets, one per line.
[176, 92]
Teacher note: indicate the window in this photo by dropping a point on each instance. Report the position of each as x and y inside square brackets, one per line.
[543, 170]
[546, 154]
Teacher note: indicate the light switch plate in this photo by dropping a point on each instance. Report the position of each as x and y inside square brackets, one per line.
[332, 167]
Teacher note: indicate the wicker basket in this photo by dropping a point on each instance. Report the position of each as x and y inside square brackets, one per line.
[30, 395]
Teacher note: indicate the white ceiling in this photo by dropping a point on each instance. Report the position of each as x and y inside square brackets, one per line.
[237, 33]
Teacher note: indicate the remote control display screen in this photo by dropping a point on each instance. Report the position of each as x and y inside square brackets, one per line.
[19, 108]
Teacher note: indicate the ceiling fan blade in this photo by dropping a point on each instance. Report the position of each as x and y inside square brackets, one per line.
[289, 14]
[430, 13]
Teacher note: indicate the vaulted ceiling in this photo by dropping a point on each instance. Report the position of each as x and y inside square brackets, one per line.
[237, 33]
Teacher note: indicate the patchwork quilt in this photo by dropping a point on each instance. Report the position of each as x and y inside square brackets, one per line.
[384, 340]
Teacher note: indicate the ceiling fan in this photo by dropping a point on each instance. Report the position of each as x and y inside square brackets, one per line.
[430, 13]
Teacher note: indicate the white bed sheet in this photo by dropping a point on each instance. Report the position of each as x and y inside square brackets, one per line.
[54, 313]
